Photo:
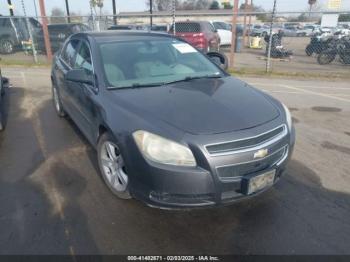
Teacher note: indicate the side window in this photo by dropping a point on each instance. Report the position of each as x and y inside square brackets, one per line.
[211, 27]
[70, 51]
[83, 59]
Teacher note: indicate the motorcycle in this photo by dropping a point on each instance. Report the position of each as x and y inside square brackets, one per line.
[318, 43]
[342, 48]
[277, 49]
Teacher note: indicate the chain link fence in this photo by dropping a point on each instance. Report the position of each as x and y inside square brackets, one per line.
[297, 42]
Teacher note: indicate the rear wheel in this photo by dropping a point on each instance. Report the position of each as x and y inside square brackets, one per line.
[112, 166]
[6, 46]
[325, 58]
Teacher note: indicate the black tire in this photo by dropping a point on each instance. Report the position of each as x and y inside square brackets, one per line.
[309, 51]
[56, 98]
[103, 140]
[6, 46]
[325, 58]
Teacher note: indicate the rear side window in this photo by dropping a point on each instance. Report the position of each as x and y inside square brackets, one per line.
[69, 52]
[187, 27]
[83, 59]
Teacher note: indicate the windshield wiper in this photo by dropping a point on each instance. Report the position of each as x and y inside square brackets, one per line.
[136, 85]
[190, 78]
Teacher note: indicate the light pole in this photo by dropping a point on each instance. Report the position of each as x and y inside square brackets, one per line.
[10, 7]
[114, 12]
[68, 13]
[151, 12]
[233, 39]
[268, 60]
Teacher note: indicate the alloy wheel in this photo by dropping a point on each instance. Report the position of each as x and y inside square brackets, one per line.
[6, 47]
[113, 167]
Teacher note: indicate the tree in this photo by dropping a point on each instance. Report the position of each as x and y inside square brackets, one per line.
[344, 18]
[96, 3]
[57, 16]
[162, 5]
[214, 5]
[202, 4]
[227, 5]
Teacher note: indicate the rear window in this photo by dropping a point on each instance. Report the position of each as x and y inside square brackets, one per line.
[187, 27]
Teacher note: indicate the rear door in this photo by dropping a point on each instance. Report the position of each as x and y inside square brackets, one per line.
[64, 63]
[83, 95]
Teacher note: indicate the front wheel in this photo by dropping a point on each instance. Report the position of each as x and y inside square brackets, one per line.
[325, 58]
[6, 46]
[112, 166]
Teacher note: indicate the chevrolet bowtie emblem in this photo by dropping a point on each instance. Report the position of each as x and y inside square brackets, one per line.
[261, 153]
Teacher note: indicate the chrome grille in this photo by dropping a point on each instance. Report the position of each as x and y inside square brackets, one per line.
[241, 144]
[242, 169]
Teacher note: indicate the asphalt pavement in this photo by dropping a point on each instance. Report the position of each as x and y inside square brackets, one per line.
[53, 200]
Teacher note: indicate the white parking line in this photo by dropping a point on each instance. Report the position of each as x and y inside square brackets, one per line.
[281, 91]
[301, 86]
[316, 93]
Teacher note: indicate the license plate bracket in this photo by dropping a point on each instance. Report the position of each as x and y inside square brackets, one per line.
[255, 183]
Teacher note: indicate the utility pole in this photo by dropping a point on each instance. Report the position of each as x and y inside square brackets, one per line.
[10, 7]
[68, 13]
[114, 12]
[233, 39]
[151, 12]
[29, 27]
[250, 16]
[268, 60]
[311, 3]
[244, 40]
[45, 30]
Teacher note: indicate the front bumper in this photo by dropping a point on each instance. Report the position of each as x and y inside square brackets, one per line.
[205, 185]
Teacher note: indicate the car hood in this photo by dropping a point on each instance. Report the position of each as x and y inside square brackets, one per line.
[202, 106]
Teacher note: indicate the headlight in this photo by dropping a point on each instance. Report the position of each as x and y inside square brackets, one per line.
[162, 150]
[288, 117]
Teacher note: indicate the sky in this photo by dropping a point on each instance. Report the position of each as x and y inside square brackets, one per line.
[82, 6]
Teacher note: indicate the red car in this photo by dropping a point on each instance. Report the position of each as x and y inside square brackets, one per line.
[201, 35]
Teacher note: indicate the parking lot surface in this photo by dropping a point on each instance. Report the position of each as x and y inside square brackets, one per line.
[53, 200]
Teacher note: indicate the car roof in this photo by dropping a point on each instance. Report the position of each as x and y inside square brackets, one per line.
[111, 35]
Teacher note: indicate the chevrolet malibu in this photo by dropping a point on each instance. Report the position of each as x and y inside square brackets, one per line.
[170, 127]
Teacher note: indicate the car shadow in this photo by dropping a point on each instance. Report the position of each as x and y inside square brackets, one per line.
[39, 196]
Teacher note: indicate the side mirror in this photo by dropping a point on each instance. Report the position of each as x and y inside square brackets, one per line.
[80, 76]
[219, 59]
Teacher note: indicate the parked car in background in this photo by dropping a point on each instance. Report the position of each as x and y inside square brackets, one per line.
[200, 34]
[159, 28]
[293, 31]
[224, 31]
[58, 34]
[3, 84]
[170, 127]
[259, 30]
[128, 27]
[14, 30]
[311, 29]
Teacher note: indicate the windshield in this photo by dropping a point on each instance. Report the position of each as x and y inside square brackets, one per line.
[153, 62]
